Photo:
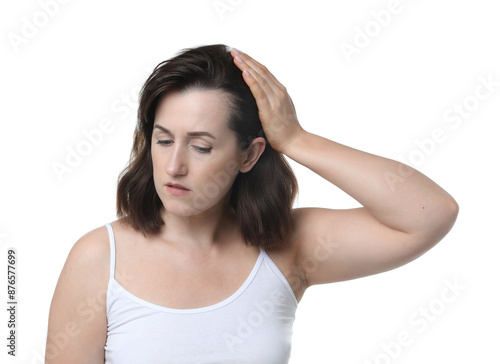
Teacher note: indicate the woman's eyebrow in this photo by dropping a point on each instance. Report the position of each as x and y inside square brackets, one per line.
[190, 133]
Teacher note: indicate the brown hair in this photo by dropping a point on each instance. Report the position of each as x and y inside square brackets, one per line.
[262, 197]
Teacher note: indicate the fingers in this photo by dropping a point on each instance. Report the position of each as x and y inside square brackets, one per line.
[260, 73]
[260, 88]
[257, 80]
[260, 69]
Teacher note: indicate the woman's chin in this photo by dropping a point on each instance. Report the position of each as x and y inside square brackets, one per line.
[178, 209]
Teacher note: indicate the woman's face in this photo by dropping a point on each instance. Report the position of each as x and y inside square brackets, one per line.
[191, 145]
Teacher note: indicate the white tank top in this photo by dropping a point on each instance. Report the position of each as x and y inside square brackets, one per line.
[253, 325]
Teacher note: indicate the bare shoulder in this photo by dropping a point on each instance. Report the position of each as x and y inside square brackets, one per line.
[87, 264]
[91, 248]
[78, 307]
[287, 258]
[308, 243]
[123, 228]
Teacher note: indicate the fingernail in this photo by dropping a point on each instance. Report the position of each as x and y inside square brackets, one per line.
[237, 51]
[246, 73]
[239, 59]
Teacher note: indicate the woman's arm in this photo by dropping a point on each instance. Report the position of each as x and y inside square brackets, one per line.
[77, 320]
[404, 213]
[406, 202]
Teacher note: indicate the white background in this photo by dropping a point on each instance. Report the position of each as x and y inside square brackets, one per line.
[82, 62]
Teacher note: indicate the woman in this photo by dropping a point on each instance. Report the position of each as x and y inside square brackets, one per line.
[208, 260]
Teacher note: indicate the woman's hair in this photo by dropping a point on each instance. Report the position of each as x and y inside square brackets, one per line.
[262, 198]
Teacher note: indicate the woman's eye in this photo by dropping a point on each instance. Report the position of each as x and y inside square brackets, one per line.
[163, 142]
[203, 150]
[199, 149]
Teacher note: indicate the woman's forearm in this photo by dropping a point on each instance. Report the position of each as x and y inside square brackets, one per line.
[397, 195]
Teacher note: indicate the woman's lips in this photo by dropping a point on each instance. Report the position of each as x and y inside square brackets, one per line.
[177, 185]
[177, 189]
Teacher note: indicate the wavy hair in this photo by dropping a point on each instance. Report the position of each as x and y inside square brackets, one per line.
[262, 198]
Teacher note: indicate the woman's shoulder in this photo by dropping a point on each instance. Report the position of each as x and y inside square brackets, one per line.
[82, 282]
[89, 257]
[93, 247]
[91, 250]
[88, 262]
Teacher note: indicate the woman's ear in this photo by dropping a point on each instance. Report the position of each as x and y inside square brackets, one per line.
[252, 154]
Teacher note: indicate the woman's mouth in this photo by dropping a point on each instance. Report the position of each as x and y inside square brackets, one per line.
[177, 189]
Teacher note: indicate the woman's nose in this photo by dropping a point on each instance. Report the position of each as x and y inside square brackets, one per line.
[176, 164]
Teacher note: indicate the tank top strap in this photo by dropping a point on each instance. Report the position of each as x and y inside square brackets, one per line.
[112, 251]
[280, 275]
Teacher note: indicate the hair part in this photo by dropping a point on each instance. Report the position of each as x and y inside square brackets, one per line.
[262, 198]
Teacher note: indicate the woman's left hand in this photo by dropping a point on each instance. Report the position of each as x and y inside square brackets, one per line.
[276, 110]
